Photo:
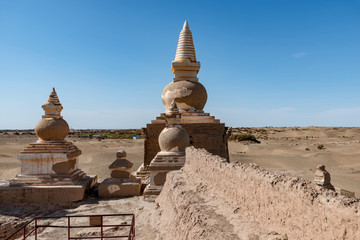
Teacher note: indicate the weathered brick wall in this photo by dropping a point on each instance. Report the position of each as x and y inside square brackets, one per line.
[210, 136]
[288, 205]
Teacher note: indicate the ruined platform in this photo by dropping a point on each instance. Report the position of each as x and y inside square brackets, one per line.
[46, 194]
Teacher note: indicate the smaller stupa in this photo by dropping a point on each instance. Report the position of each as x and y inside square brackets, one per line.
[173, 140]
[49, 167]
[122, 183]
[51, 160]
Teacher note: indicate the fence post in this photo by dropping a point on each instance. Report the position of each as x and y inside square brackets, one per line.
[101, 219]
[35, 228]
[68, 227]
[133, 226]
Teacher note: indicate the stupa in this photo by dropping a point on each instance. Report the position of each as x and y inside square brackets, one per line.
[190, 96]
[173, 140]
[121, 183]
[49, 167]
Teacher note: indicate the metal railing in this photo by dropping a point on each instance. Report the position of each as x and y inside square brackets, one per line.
[27, 230]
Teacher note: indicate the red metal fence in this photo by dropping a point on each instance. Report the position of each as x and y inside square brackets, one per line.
[33, 228]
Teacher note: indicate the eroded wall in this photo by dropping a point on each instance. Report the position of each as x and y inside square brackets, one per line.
[291, 206]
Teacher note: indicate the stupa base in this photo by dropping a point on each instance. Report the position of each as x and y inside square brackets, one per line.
[162, 163]
[151, 192]
[48, 179]
[117, 187]
[46, 193]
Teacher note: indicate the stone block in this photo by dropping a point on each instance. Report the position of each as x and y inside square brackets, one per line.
[159, 178]
[120, 174]
[112, 188]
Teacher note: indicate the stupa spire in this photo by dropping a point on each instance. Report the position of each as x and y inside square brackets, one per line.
[52, 107]
[185, 90]
[185, 47]
[53, 98]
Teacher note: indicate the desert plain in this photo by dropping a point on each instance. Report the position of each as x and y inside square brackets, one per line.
[287, 150]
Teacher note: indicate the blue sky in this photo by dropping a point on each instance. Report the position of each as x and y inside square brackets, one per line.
[263, 63]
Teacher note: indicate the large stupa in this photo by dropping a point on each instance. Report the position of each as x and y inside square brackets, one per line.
[190, 96]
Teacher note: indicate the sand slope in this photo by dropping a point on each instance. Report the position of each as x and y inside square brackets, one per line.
[284, 150]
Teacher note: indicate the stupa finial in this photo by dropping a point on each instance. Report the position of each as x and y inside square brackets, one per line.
[185, 48]
[53, 98]
[52, 107]
[186, 26]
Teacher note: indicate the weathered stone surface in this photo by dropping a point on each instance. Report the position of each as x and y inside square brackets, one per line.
[120, 174]
[111, 188]
[159, 178]
[64, 167]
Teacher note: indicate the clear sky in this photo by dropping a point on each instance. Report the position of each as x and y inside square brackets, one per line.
[263, 63]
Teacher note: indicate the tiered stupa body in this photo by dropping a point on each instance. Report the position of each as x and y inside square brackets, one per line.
[51, 161]
[190, 96]
[173, 140]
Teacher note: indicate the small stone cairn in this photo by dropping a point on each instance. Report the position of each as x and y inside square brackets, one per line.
[121, 167]
[322, 178]
[122, 183]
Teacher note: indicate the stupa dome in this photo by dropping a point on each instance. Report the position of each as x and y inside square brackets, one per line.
[189, 96]
[52, 126]
[52, 129]
[173, 138]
